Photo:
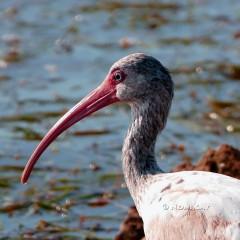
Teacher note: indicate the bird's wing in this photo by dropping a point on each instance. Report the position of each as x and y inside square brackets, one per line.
[190, 204]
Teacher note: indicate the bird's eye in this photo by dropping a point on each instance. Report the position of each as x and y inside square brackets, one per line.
[118, 76]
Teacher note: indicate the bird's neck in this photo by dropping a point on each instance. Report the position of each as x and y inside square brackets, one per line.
[148, 119]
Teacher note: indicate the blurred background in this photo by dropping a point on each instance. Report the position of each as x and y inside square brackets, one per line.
[52, 53]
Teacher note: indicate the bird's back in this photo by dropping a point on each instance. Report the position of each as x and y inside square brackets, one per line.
[191, 205]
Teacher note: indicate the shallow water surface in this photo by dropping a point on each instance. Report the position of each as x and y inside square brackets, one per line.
[52, 53]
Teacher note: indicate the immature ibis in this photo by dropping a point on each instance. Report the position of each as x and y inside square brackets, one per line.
[188, 205]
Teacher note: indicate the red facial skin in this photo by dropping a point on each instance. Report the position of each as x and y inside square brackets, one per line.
[102, 96]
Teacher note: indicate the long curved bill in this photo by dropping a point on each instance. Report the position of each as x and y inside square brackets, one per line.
[102, 96]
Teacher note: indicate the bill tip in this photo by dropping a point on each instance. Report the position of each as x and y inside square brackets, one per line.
[23, 180]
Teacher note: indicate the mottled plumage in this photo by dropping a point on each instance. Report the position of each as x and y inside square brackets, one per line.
[190, 205]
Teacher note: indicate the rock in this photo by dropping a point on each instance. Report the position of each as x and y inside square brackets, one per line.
[225, 160]
[132, 226]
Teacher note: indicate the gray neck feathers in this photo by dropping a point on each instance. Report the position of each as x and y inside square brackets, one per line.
[148, 119]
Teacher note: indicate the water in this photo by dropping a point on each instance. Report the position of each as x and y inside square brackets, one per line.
[52, 53]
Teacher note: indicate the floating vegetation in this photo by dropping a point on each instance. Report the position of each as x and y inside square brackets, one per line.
[100, 202]
[110, 6]
[12, 56]
[110, 177]
[92, 132]
[225, 109]
[28, 133]
[31, 117]
[127, 42]
[188, 40]
[11, 12]
[4, 77]
[90, 195]
[6, 182]
[12, 207]
[230, 70]
[149, 20]
[237, 35]
[200, 81]
[65, 188]
[39, 116]
[22, 117]
[9, 168]
[94, 167]
[50, 227]
[224, 117]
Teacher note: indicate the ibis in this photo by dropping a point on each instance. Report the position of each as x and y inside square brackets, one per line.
[187, 205]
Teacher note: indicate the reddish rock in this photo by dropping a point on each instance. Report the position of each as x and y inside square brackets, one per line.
[225, 160]
[132, 226]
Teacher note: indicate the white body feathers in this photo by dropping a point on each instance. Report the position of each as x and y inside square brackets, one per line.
[191, 205]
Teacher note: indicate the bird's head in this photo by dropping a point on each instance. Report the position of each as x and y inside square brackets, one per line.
[134, 78]
[138, 76]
